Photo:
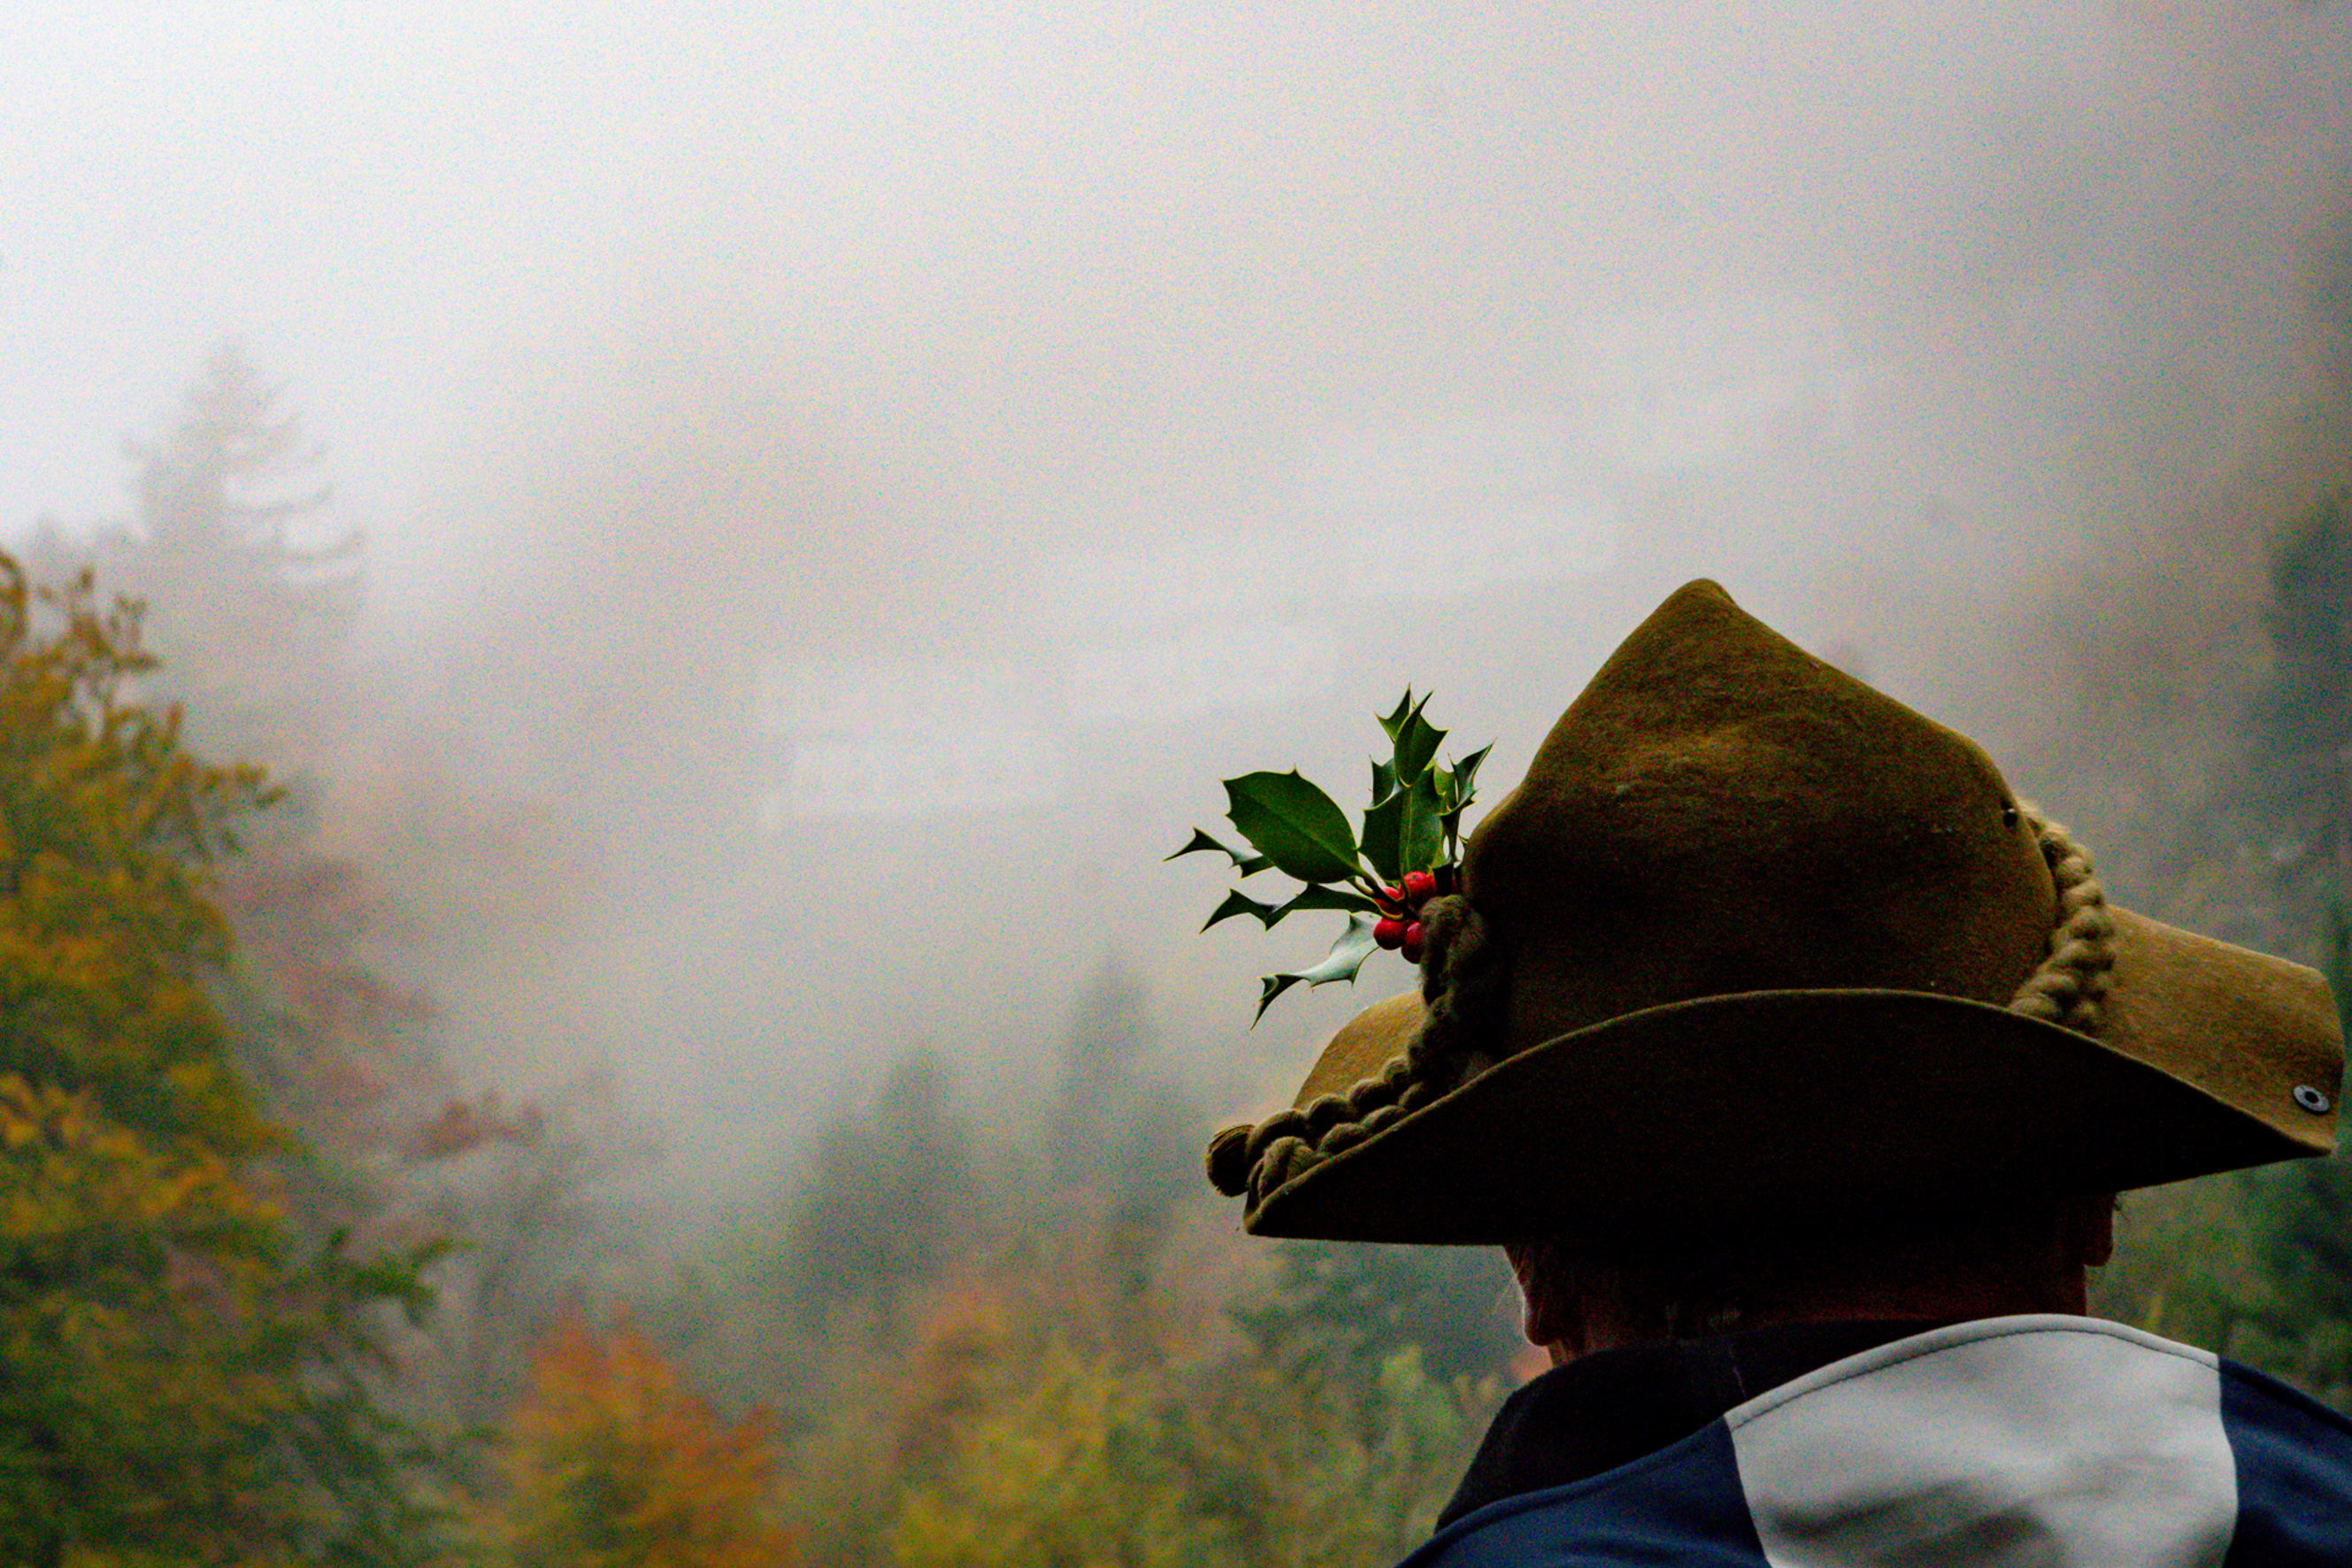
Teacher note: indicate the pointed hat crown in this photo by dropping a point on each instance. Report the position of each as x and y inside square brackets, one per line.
[1721, 812]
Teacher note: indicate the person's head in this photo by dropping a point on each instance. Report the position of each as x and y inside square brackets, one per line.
[1589, 1293]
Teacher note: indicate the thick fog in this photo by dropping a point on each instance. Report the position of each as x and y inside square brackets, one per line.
[851, 480]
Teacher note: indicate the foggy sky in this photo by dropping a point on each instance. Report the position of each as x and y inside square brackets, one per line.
[657, 346]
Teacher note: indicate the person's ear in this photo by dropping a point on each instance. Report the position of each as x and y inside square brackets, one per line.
[2090, 1229]
[1542, 1320]
[1546, 1323]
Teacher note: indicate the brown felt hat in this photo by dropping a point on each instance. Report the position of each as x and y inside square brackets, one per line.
[1752, 937]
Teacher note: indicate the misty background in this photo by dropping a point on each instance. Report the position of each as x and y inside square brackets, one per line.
[840, 486]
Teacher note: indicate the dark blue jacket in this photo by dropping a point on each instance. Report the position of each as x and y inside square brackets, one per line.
[2059, 1442]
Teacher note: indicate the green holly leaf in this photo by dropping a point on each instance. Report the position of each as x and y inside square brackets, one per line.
[1466, 771]
[1346, 957]
[1194, 844]
[1456, 789]
[1294, 825]
[1421, 832]
[1321, 898]
[1417, 741]
[1271, 915]
[1240, 903]
[1245, 865]
[1269, 987]
[1380, 820]
[1384, 835]
[1199, 842]
[1394, 723]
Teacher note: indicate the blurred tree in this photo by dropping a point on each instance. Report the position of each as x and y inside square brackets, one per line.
[1077, 1363]
[517, 1189]
[1039, 1427]
[107, 827]
[335, 1052]
[219, 482]
[257, 618]
[1337, 1313]
[173, 1388]
[888, 1201]
[256, 624]
[2294, 1308]
[2308, 705]
[1118, 1137]
[255, 597]
[2259, 1265]
[2300, 749]
[1116, 1128]
[1369, 1374]
[1306, 1473]
[610, 1461]
[1073, 1461]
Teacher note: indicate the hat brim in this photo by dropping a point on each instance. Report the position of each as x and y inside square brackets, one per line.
[1704, 1113]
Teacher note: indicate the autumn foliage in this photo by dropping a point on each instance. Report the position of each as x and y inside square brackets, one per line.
[611, 1461]
[181, 1380]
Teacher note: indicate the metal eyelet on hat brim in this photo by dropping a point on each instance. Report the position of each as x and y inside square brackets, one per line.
[2313, 1100]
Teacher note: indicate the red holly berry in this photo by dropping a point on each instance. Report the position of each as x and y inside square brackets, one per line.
[1389, 933]
[1411, 942]
[1418, 888]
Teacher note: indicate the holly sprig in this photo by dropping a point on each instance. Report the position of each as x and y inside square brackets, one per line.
[1408, 852]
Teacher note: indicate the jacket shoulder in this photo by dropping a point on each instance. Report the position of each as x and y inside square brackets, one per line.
[2293, 1461]
[1681, 1505]
[2103, 1443]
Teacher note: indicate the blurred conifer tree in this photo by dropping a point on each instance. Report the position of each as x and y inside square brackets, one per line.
[887, 1200]
[257, 617]
[1119, 1136]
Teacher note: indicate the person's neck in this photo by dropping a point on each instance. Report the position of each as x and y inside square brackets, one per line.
[1960, 1297]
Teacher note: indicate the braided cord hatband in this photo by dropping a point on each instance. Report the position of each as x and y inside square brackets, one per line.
[1462, 988]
